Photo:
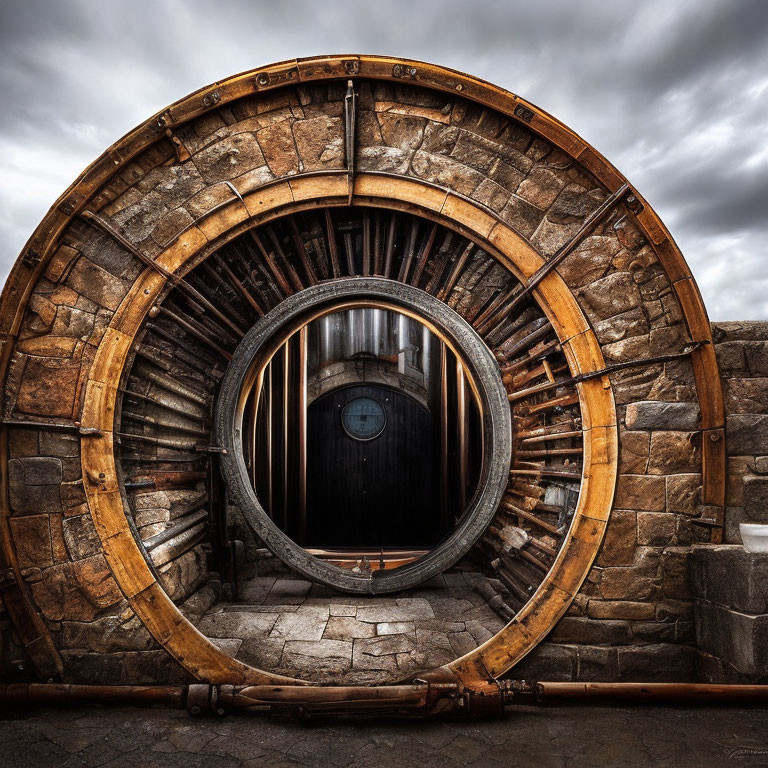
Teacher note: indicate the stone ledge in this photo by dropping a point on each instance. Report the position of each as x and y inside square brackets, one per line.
[739, 639]
[653, 414]
[730, 576]
[740, 330]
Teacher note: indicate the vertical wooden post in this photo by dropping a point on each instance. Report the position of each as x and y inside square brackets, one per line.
[444, 511]
[286, 427]
[461, 398]
[269, 440]
[302, 406]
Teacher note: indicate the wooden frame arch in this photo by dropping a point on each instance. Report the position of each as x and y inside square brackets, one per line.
[190, 648]
[163, 619]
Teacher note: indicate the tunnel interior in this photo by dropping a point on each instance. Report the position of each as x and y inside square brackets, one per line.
[364, 444]
[364, 440]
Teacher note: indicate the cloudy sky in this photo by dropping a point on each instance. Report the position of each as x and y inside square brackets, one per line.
[674, 93]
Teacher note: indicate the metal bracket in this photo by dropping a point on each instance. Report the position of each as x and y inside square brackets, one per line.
[636, 363]
[523, 113]
[7, 578]
[211, 449]
[99, 223]
[31, 258]
[350, 119]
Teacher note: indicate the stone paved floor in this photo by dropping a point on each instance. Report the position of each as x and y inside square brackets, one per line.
[561, 737]
[305, 630]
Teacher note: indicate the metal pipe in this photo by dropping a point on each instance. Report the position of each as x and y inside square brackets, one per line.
[707, 692]
[417, 699]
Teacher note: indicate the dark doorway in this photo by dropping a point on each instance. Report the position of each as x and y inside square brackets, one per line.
[371, 470]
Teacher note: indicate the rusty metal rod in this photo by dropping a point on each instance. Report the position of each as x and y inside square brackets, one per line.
[706, 692]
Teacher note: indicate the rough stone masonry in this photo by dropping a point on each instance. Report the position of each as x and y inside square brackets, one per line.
[636, 616]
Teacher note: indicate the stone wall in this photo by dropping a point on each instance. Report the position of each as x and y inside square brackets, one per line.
[742, 352]
[633, 618]
[730, 587]
[730, 584]
[636, 621]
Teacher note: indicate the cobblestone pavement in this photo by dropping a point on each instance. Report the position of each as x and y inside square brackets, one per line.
[304, 630]
[562, 737]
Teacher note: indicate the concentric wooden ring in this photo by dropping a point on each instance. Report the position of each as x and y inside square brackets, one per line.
[194, 651]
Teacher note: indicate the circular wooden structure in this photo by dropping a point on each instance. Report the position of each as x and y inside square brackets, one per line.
[446, 152]
[269, 335]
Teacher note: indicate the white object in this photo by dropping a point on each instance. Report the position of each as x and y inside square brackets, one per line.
[754, 536]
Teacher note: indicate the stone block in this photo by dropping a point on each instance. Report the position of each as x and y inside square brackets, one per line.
[662, 662]
[106, 635]
[127, 668]
[674, 610]
[740, 330]
[596, 664]
[738, 638]
[633, 453]
[674, 453]
[32, 540]
[730, 576]
[610, 296]
[541, 187]
[757, 357]
[41, 470]
[620, 540]
[406, 609]
[76, 591]
[746, 395]
[397, 628]
[80, 536]
[731, 358]
[641, 492]
[234, 155]
[575, 202]
[48, 387]
[318, 649]
[628, 584]
[320, 141]
[654, 632]
[756, 498]
[655, 415]
[747, 434]
[675, 580]
[306, 625]
[183, 575]
[737, 468]
[548, 661]
[579, 630]
[22, 443]
[684, 494]
[288, 592]
[621, 609]
[97, 284]
[347, 628]
[656, 529]
[522, 215]
[37, 497]
[243, 624]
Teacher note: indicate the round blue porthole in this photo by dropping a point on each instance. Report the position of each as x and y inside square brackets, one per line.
[363, 418]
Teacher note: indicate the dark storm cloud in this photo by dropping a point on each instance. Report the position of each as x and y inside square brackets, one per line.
[674, 93]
